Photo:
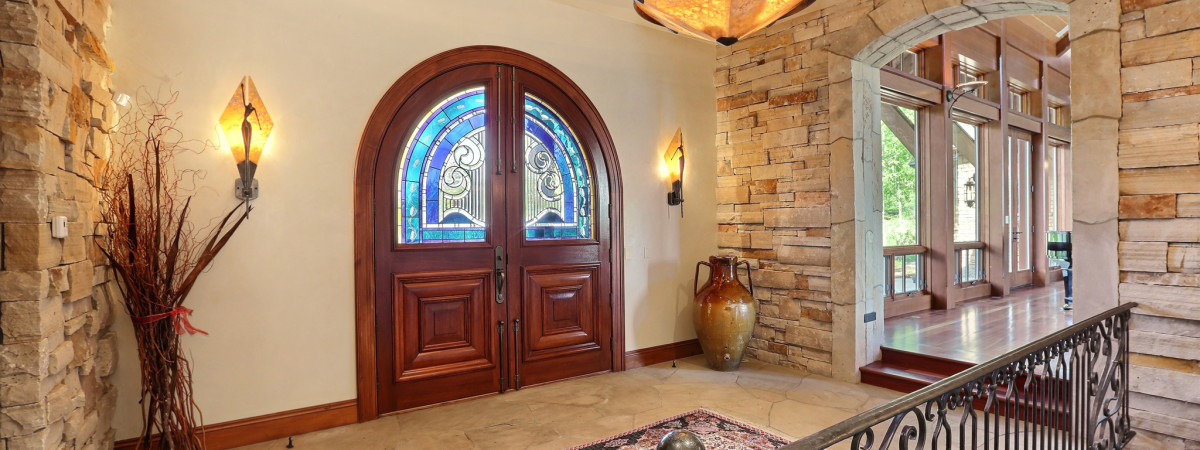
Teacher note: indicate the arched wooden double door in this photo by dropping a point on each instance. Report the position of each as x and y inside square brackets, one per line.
[492, 235]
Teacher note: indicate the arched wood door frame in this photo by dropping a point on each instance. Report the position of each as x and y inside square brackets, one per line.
[364, 199]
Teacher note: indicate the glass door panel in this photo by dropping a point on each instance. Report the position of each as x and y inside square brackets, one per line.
[1019, 207]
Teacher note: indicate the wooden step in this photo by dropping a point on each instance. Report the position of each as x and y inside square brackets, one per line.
[928, 363]
[898, 377]
[906, 371]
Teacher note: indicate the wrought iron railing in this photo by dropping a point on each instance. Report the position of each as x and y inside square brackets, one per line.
[1068, 390]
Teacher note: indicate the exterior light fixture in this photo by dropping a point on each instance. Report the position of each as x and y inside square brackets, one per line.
[674, 158]
[721, 21]
[246, 125]
[969, 195]
[962, 89]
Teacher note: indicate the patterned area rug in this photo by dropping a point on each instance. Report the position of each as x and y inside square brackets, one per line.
[718, 433]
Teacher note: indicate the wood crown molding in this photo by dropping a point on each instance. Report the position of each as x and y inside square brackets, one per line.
[251, 430]
[662, 353]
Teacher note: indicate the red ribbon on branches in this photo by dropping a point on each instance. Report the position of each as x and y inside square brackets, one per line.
[178, 315]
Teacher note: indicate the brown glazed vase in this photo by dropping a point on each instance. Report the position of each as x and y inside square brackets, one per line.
[725, 312]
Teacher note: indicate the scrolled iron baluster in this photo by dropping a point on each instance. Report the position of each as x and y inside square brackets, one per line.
[857, 442]
[1074, 395]
[938, 417]
[909, 433]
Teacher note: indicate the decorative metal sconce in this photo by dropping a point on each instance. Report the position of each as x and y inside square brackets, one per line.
[969, 195]
[962, 89]
[246, 125]
[721, 21]
[674, 158]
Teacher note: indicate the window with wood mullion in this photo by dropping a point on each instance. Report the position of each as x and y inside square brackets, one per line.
[901, 136]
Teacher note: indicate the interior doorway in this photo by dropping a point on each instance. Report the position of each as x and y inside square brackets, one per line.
[1018, 207]
[491, 234]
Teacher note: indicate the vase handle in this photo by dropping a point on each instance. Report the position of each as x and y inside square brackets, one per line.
[696, 281]
[749, 276]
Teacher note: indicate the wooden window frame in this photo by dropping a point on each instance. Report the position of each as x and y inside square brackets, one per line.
[921, 105]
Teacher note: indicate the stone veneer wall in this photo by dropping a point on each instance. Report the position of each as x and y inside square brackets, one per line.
[779, 203]
[778, 187]
[773, 189]
[1159, 214]
[56, 304]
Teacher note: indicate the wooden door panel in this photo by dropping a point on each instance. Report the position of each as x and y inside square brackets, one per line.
[444, 324]
[441, 267]
[563, 300]
[560, 310]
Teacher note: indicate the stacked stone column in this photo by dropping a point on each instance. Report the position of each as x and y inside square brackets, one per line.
[1158, 156]
[56, 301]
[773, 185]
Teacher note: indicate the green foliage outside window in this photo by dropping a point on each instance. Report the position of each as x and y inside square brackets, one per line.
[899, 186]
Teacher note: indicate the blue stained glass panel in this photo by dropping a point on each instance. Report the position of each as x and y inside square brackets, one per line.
[558, 180]
[442, 184]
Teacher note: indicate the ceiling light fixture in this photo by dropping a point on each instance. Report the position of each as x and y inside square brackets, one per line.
[721, 21]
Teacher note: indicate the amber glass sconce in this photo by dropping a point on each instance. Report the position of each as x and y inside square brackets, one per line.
[674, 158]
[246, 125]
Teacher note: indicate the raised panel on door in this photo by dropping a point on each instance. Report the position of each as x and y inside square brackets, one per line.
[443, 323]
[560, 310]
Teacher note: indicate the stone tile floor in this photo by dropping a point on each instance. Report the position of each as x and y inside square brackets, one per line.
[783, 401]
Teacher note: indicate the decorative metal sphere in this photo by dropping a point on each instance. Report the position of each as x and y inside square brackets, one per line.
[681, 440]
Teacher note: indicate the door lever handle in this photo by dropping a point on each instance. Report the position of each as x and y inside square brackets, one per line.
[500, 280]
[500, 277]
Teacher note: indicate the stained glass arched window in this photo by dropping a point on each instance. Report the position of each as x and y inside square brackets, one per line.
[442, 182]
[558, 180]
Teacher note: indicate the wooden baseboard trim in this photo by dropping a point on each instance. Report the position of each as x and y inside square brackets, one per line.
[662, 353]
[236, 433]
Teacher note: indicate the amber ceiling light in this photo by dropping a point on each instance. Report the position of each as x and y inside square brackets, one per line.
[722, 21]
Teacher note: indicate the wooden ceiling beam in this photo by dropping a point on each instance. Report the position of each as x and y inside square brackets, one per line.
[1062, 45]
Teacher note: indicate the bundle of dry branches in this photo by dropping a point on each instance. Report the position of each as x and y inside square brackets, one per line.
[157, 253]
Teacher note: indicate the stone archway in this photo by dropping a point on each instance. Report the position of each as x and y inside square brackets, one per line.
[855, 55]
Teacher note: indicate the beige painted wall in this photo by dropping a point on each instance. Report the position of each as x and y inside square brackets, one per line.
[279, 301]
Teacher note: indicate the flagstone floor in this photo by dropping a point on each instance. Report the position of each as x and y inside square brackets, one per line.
[783, 401]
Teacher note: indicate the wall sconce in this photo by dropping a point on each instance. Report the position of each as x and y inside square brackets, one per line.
[953, 95]
[969, 195]
[674, 158]
[246, 125]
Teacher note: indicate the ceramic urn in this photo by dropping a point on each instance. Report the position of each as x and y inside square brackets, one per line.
[724, 313]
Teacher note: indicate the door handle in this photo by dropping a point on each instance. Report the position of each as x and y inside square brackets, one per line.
[500, 277]
[503, 354]
[516, 327]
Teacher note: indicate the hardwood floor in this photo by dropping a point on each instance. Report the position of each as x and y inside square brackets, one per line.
[982, 329]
